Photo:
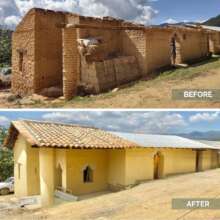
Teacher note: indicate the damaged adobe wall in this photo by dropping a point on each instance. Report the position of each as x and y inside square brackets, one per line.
[48, 49]
[101, 54]
[214, 42]
[23, 56]
[104, 65]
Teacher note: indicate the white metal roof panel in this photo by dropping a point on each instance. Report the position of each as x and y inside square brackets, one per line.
[163, 141]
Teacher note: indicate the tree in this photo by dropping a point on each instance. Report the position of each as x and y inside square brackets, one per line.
[6, 158]
[5, 47]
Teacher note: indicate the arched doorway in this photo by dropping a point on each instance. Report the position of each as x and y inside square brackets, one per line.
[59, 172]
[175, 48]
[158, 165]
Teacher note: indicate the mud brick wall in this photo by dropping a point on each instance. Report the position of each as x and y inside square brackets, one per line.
[134, 44]
[112, 73]
[70, 62]
[111, 40]
[158, 52]
[126, 69]
[214, 42]
[194, 45]
[48, 49]
[24, 40]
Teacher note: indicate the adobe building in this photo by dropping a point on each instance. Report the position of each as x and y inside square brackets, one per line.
[81, 160]
[214, 38]
[76, 53]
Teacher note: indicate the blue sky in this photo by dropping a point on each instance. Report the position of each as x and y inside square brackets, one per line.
[141, 11]
[191, 10]
[143, 122]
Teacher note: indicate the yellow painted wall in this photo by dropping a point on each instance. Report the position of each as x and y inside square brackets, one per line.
[111, 168]
[77, 160]
[60, 160]
[28, 158]
[116, 168]
[33, 171]
[138, 165]
[177, 161]
[20, 159]
[209, 159]
[47, 186]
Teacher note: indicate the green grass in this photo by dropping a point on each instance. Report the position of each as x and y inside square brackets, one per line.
[191, 71]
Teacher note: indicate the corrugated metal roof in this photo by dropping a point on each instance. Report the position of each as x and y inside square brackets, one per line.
[163, 141]
[47, 134]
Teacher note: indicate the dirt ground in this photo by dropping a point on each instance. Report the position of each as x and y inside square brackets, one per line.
[154, 93]
[148, 201]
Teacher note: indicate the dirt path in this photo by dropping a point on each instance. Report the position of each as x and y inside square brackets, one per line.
[149, 201]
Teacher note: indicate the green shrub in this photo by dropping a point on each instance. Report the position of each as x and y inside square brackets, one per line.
[6, 158]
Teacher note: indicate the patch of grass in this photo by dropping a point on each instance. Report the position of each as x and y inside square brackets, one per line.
[191, 71]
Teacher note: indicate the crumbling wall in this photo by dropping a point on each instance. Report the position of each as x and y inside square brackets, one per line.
[105, 65]
[134, 44]
[108, 74]
[23, 56]
[48, 49]
[110, 40]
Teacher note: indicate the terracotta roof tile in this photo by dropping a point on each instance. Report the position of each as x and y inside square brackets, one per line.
[47, 134]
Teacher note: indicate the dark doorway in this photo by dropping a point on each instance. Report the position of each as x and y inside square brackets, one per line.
[198, 161]
[87, 175]
[175, 47]
[158, 165]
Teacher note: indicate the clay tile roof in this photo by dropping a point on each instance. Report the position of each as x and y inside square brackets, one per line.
[47, 134]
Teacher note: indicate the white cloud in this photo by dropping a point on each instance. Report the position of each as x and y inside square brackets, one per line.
[143, 122]
[12, 21]
[204, 117]
[134, 10]
[4, 121]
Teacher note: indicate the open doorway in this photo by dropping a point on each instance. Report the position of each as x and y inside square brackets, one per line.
[175, 48]
[158, 165]
[198, 161]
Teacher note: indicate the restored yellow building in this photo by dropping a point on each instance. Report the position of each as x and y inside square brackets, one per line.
[82, 160]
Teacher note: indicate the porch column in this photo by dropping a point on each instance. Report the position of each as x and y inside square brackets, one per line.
[70, 62]
[46, 159]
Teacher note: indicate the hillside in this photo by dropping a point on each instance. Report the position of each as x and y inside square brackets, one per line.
[213, 21]
[209, 135]
[5, 47]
